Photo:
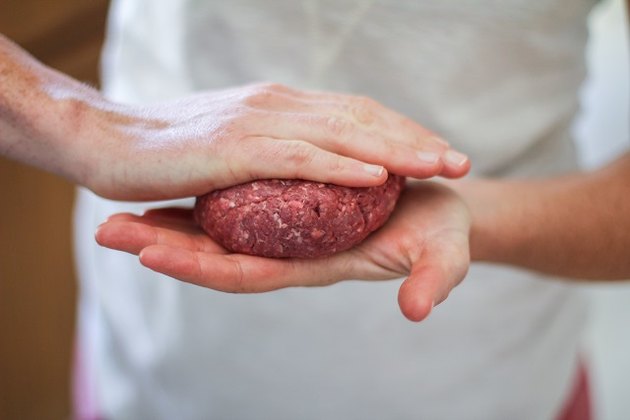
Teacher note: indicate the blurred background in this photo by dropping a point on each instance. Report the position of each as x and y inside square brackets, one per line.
[602, 133]
[37, 282]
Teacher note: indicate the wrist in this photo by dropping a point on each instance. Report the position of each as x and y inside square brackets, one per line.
[498, 230]
[75, 122]
[44, 115]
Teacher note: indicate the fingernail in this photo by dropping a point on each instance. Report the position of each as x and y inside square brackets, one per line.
[375, 170]
[438, 140]
[428, 157]
[455, 158]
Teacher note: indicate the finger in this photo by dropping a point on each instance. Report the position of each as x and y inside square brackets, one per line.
[371, 114]
[432, 278]
[132, 237]
[455, 164]
[238, 273]
[270, 97]
[366, 111]
[391, 126]
[328, 117]
[334, 109]
[343, 136]
[294, 159]
[125, 236]
[362, 111]
[351, 126]
[416, 296]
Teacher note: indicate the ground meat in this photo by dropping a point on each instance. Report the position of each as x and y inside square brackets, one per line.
[293, 218]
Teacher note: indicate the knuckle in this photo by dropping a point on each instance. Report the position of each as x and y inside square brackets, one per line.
[270, 87]
[298, 154]
[338, 127]
[275, 87]
[281, 88]
[364, 110]
[261, 95]
[335, 164]
[258, 96]
[293, 156]
[239, 285]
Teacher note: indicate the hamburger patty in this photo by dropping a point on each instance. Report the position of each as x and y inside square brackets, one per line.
[295, 218]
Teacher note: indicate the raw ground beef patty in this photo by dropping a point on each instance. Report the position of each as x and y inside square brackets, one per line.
[294, 218]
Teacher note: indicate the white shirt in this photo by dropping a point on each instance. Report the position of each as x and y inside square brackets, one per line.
[498, 79]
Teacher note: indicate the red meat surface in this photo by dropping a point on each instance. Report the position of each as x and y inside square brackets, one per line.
[294, 218]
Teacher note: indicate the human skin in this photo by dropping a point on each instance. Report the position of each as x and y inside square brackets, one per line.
[426, 239]
[575, 226]
[206, 141]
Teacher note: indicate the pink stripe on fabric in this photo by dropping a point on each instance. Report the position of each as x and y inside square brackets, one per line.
[84, 397]
[578, 406]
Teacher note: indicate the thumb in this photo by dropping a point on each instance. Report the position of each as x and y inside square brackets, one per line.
[432, 279]
[417, 294]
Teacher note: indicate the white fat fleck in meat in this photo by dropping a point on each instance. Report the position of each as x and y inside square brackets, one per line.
[294, 235]
[278, 220]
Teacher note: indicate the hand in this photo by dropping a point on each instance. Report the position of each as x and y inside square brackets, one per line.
[426, 239]
[206, 141]
[221, 138]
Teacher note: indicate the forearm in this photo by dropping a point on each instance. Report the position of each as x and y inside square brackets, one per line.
[43, 114]
[576, 226]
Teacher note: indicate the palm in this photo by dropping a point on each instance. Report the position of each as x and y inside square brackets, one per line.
[426, 239]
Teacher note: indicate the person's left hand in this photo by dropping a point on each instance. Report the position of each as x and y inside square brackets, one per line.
[426, 239]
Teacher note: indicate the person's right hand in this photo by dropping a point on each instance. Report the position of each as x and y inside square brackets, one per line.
[217, 139]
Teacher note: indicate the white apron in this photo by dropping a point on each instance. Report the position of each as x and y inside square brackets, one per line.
[498, 78]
